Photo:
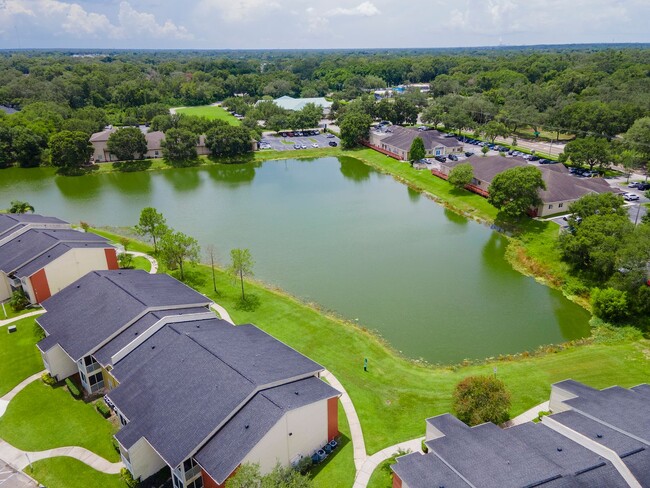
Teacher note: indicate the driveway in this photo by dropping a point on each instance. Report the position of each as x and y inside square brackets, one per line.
[279, 143]
[10, 478]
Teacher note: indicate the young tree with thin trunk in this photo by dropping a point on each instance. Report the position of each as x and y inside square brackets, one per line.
[152, 224]
[176, 248]
[211, 252]
[242, 265]
[20, 207]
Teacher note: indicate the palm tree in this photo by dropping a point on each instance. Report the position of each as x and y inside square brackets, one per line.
[20, 207]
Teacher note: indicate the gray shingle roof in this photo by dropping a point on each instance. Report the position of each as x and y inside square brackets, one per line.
[190, 378]
[624, 409]
[403, 137]
[426, 471]
[525, 455]
[96, 307]
[225, 451]
[12, 222]
[22, 250]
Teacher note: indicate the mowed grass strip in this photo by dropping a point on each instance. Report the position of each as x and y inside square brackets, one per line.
[41, 417]
[67, 472]
[19, 357]
[211, 112]
[396, 395]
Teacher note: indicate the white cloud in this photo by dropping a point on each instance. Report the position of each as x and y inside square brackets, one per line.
[235, 10]
[58, 18]
[134, 23]
[365, 9]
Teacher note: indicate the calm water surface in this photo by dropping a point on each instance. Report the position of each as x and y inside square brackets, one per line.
[336, 232]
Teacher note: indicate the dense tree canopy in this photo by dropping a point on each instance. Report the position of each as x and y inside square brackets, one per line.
[70, 149]
[461, 175]
[480, 399]
[516, 191]
[179, 147]
[127, 143]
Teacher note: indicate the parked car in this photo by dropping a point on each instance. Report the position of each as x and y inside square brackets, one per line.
[333, 143]
[303, 146]
[296, 146]
[630, 197]
[533, 158]
[469, 153]
[643, 186]
[315, 144]
[453, 157]
[441, 159]
[633, 184]
[331, 136]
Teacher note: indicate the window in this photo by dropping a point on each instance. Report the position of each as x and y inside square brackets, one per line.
[83, 378]
[550, 207]
[88, 360]
[197, 483]
[561, 205]
[177, 482]
[96, 378]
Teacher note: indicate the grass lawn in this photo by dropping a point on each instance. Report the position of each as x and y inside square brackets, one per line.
[141, 263]
[337, 469]
[381, 476]
[9, 313]
[19, 357]
[66, 472]
[41, 417]
[210, 112]
[395, 396]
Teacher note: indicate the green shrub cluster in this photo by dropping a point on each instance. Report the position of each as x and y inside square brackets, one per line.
[103, 409]
[48, 379]
[72, 388]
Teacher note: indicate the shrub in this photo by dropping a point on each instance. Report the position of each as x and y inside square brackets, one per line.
[127, 478]
[18, 301]
[573, 287]
[479, 399]
[48, 379]
[461, 175]
[103, 409]
[610, 304]
[125, 260]
[72, 388]
[84, 225]
[425, 448]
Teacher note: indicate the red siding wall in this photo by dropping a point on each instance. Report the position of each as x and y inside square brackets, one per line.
[40, 286]
[111, 259]
[208, 482]
[332, 418]
[397, 482]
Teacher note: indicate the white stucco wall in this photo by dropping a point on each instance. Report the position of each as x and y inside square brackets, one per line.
[73, 265]
[144, 460]
[5, 288]
[308, 426]
[58, 363]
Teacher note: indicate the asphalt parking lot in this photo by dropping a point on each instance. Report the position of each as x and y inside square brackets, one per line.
[279, 143]
[10, 478]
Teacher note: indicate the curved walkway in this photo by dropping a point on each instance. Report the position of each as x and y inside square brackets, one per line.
[20, 317]
[223, 313]
[358, 444]
[4, 401]
[19, 459]
[371, 463]
[154, 263]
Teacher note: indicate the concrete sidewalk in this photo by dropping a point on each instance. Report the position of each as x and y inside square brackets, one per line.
[20, 317]
[19, 459]
[358, 444]
[4, 401]
[371, 463]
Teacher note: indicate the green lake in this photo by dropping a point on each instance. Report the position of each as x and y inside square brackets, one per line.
[336, 232]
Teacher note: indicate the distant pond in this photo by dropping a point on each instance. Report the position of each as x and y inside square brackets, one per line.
[336, 232]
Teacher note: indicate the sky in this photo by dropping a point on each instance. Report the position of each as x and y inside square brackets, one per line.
[300, 24]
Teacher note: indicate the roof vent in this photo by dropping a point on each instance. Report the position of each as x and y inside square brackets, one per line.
[600, 436]
[559, 449]
[246, 426]
[198, 326]
[136, 333]
[296, 393]
[153, 347]
[78, 286]
[49, 256]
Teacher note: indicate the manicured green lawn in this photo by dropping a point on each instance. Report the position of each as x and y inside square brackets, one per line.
[141, 263]
[381, 476]
[9, 313]
[19, 357]
[210, 112]
[41, 417]
[338, 469]
[66, 472]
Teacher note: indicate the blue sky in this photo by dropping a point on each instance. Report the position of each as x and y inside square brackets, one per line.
[232, 24]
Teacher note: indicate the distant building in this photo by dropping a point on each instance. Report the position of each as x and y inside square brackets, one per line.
[99, 141]
[42, 255]
[562, 188]
[594, 438]
[395, 141]
[290, 103]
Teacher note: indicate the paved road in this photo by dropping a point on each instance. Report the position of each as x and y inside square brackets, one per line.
[555, 148]
[10, 478]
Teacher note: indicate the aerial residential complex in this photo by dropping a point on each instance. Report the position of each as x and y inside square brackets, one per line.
[192, 392]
